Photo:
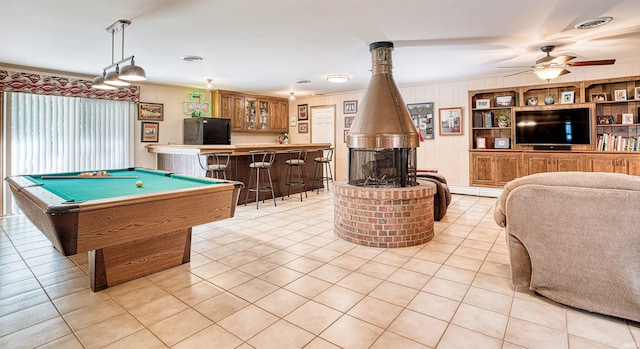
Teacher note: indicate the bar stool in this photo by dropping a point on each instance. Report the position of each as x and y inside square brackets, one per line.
[297, 158]
[215, 163]
[261, 160]
[326, 161]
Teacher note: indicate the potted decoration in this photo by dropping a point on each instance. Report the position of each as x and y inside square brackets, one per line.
[503, 120]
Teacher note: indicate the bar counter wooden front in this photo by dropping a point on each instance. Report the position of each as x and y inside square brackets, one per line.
[184, 159]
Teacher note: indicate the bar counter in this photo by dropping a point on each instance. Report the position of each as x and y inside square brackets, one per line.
[184, 159]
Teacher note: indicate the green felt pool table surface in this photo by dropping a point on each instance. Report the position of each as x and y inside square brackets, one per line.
[95, 188]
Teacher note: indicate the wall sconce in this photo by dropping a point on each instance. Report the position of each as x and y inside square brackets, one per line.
[119, 76]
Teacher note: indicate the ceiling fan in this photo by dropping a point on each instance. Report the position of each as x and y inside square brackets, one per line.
[550, 67]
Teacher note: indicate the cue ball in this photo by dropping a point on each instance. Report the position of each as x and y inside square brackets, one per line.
[138, 183]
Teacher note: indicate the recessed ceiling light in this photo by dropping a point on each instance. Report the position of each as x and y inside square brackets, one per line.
[191, 58]
[593, 23]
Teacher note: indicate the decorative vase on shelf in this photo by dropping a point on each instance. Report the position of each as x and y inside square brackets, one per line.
[503, 120]
[549, 100]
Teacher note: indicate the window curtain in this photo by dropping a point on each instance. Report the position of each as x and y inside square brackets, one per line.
[50, 134]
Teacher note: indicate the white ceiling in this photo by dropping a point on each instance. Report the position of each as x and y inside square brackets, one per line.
[266, 46]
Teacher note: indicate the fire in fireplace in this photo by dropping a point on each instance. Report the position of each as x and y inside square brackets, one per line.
[382, 140]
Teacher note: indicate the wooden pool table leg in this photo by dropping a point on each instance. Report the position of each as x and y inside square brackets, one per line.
[116, 264]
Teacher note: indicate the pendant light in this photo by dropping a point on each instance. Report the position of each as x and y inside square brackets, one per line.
[119, 76]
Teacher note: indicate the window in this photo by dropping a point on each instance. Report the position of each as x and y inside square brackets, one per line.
[49, 134]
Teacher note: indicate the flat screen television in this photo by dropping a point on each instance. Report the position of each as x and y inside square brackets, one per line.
[564, 127]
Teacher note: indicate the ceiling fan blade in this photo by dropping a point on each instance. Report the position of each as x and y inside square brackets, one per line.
[560, 60]
[518, 73]
[564, 71]
[597, 62]
[516, 66]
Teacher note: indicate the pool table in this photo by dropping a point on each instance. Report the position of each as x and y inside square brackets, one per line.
[128, 231]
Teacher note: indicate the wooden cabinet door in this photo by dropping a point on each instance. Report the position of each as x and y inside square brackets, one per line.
[506, 168]
[225, 106]
[237, 113]
[603, 163]
[567, 163]
[283, 116]
[483, 169]
[536, 163]
[633, 165]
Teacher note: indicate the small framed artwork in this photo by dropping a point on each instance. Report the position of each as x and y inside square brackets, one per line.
[348, 120]
[532, 101]
[149, 132]
[481, 143]
[598, 97]
[303, 112]
[303, 127]
[292, 121]
[636, 93]
[627, 118]
[346, 132]
[350, 107]
[503, 101]
[606, 120]
[483, 103]
[150, 111]
[502, 143]
[450, 121]
[566, 97]
[620, 95]
[422, 117]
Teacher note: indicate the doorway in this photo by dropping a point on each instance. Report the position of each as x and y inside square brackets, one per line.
[323, 122]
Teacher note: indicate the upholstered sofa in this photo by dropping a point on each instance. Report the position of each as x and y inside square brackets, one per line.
[574, 237]
[442, 199]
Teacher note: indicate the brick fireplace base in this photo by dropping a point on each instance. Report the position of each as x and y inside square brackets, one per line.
[384, 217]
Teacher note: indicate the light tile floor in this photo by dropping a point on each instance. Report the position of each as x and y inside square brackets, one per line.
[277, 277]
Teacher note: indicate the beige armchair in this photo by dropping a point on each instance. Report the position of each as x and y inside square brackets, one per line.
[574, 237]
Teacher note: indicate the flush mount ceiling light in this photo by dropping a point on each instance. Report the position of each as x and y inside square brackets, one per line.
[209, 85]
[191, 58]
[593, 23]
[338, 78]
[118, 77]
[292, 97]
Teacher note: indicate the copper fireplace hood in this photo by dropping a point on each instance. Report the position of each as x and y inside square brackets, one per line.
[382, 121]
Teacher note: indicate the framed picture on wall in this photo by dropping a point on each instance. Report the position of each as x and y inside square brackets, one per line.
[450, 121]
[303, 112]
[350, 107]
[348, 120]
[150, 111]
[303, 127]
[149, 132]
[422, 117]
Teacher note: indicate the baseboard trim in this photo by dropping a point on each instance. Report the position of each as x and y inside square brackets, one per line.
[475, 191]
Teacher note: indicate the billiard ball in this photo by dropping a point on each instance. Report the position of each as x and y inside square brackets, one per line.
[139, 184]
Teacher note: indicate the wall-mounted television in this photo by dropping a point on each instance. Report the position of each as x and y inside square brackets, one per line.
[562, 127]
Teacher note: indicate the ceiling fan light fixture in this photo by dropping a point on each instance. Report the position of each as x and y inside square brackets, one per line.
[548, 73]
[593, 23]
[338, 78]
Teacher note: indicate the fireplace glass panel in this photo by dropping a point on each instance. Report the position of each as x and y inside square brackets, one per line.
[392, 168]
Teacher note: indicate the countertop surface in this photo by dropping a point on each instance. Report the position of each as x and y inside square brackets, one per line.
[235, 149]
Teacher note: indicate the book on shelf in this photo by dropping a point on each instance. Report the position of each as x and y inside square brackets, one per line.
[610, 142]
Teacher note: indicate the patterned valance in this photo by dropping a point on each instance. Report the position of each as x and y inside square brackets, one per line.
[11, 81]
